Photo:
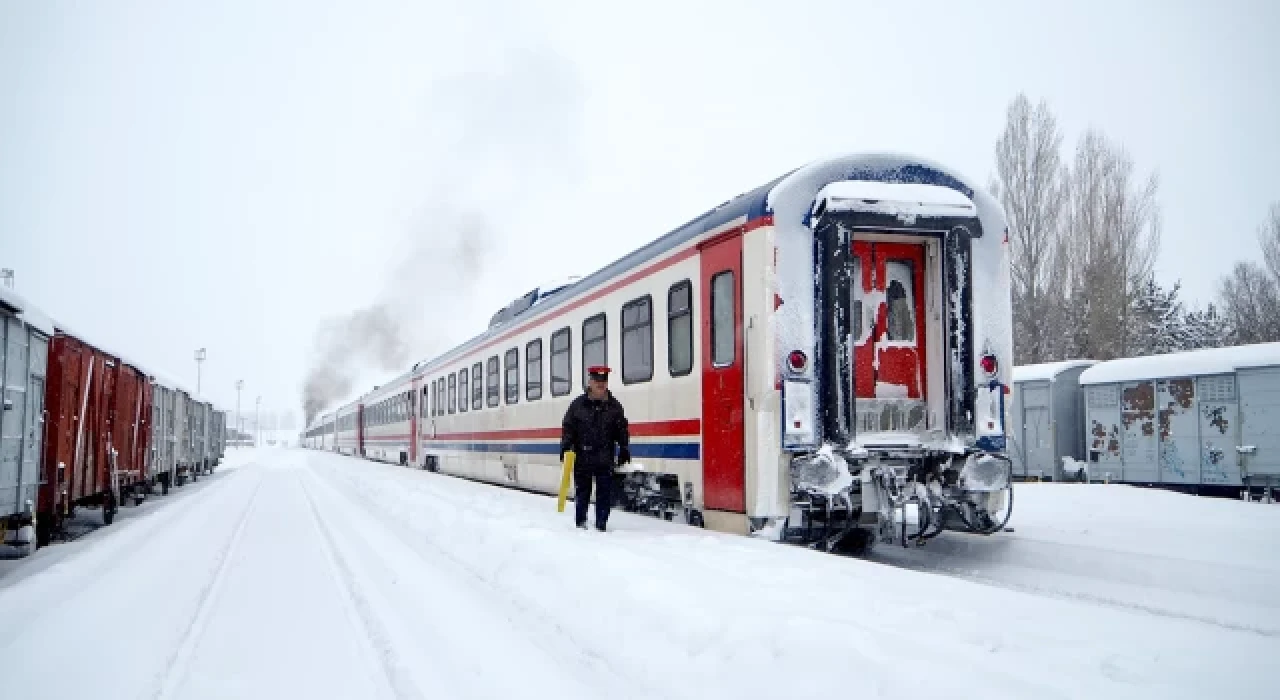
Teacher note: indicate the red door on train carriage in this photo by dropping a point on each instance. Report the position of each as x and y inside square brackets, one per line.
[723, 433]
[888, 320]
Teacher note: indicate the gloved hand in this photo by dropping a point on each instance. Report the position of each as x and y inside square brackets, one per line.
[624, 455]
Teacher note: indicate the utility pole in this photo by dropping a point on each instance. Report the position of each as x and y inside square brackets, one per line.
[239, 386]
[257, 426]
[199, 359]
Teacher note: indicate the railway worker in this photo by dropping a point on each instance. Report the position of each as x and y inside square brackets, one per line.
[594, 424]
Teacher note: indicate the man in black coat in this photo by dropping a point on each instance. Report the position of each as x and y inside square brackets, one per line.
[592, 426]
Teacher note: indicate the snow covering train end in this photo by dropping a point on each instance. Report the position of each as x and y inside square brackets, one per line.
[823, 359]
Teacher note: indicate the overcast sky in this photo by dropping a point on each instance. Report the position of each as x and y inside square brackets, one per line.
[230, 175]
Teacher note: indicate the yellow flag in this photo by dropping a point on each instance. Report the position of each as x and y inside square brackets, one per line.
[564, 480]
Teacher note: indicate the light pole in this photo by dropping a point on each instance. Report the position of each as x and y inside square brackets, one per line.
[257, 427]
[239, 386]
[199, 359]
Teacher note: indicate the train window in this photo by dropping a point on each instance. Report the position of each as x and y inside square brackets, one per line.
[533, 370]
[722, 319]
[435, 400]
[453, 394]
[477, 387]
[511, 374]
[464, 388]
[901, 323]
[422, 409]
[860, 330]
[595, 351]
[491, 382]
[561, 362]
[637, 340]
[443, 395]
[680, 329]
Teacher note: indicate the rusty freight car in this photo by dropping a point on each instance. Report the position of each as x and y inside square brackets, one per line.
[96, 438]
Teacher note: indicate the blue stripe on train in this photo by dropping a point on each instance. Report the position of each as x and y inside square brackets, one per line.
[652, 450]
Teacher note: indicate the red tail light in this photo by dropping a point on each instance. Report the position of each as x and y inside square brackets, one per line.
[797, 360]
[989, 364]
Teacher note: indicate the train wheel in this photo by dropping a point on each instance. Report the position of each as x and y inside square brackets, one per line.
[109, 510]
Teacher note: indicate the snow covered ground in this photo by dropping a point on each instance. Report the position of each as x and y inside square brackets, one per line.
[292, 574]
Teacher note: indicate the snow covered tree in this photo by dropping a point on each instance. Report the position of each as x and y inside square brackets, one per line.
[1156, 321]
[1028, 183]
[1205, 329]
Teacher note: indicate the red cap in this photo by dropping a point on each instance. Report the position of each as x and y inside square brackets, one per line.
[598, 371]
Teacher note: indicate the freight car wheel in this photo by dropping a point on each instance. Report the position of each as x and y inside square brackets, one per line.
[109, 510]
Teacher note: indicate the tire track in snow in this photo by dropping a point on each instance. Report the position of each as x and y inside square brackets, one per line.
[175, 669]
[378, 642]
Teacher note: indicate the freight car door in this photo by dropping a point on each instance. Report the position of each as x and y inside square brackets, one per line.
[723, 429]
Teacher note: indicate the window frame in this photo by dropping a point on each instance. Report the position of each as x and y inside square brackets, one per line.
[464, 389]
[622, 338]
[604, 340]
[453, 393]
[733, 317]
[492, 389]
[510, 362]
[672, 318]
[477, 386]
[567, 332]
[532, 378]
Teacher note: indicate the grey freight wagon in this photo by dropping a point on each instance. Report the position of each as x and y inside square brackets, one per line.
[1047, 420]
[24, 353]
[1206, 421]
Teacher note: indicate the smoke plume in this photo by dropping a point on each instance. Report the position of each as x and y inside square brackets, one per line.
[504, 130]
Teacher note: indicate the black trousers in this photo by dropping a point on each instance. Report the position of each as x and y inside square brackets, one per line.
[583, 475]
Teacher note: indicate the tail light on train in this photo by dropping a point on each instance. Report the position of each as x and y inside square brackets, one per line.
[797, 361]
[989, 365]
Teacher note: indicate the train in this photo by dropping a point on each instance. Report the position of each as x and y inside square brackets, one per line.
[822, 360]
[84, 426]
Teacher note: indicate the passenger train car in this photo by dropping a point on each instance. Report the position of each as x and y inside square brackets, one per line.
[822, 359]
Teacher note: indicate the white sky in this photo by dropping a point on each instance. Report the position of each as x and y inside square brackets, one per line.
[228, 175]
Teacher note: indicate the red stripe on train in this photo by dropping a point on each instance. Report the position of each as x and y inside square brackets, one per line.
[666, 428]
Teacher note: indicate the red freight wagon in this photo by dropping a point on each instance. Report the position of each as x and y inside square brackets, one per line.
[96, 437]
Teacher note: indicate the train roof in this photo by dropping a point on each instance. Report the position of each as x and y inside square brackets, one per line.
[787, 199]
[25, 310]
[1193, 363]
[1047, 370]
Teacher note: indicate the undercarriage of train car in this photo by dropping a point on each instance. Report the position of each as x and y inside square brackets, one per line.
[913, 442]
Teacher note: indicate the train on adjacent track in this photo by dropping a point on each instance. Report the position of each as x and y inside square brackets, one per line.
[83, 426]
[823, 359]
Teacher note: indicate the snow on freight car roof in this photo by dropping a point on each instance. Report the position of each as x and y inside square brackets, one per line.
[1047, 370]
[1183, 364]
[26, 311]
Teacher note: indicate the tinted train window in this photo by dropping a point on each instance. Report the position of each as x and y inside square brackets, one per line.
[722, 319]
[898, 295]
[595, 350]
[491, 382]
[533, 370]
[463, 389]
[424, 404]
[477, 386]
[637, 341]
[511, 372]
[680, 329]
[859, 330]
[561, 362]
[453, 393]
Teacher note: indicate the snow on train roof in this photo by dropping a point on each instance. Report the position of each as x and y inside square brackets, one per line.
[1183, 364]
[901, 199]
[787, 198]
[1047, 370]
[26, 311]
